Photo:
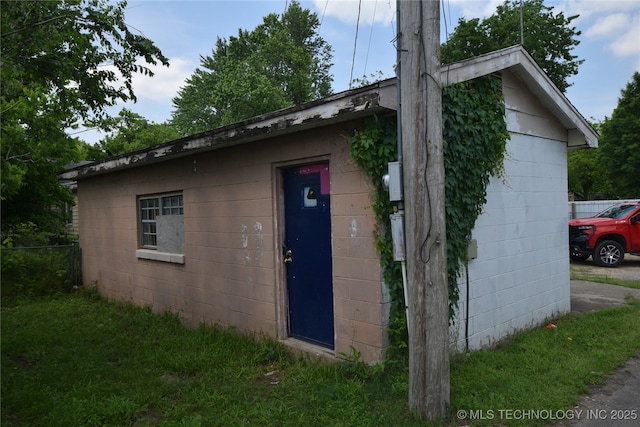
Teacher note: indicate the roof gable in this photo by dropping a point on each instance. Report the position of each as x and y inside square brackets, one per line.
[522, 64]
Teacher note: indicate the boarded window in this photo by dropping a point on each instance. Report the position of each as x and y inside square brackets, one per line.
[161, 222]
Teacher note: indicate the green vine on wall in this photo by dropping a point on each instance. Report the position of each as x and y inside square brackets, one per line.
[373, 147]
[474, 141]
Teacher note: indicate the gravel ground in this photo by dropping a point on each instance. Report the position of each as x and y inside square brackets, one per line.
[628, 270]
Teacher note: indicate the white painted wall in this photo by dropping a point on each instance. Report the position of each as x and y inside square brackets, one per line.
[521, 275]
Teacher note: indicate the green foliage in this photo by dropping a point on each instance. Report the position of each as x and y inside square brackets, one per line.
[130, 132]
[282, 62]
[373, 147]
[579, 352]
[53, 77]
[61, 356]
[366, 80]
[619, 144]
[612, 168]
[30, 268]
[354, 366]
[25, 235]
[548, 37]
[586, 173]
[31, 191]
[474, 139]
[78, 360]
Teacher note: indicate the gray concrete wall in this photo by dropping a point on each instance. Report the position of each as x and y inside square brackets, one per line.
[521, 274]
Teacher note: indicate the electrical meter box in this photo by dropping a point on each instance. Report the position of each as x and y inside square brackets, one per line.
[395, 181]
[472, 250]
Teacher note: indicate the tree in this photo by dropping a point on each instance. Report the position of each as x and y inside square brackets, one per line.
[63, 63]
[548, 37]
[584, 175]
[131, 132]
[282, 62]
[619, 144]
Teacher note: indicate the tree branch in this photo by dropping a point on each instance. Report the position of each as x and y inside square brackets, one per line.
[46, 21]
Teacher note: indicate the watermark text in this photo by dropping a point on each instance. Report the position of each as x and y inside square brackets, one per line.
[548, 414]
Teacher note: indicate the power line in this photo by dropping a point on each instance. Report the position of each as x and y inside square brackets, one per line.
[323, 12]
[355, 43]
[373, 21]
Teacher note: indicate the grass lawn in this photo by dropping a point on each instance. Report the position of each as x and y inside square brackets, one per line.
[77, 360]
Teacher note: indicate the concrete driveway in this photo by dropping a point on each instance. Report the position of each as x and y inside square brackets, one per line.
[590, 296]
[616, 402]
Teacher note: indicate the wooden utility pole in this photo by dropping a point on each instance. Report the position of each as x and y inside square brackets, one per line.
[423, 171]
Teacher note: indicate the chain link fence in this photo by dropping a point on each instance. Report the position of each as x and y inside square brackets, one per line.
[40, 270]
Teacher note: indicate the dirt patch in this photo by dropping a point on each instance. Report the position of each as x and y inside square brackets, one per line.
[628, 270]
[270, 379]
[24, 362]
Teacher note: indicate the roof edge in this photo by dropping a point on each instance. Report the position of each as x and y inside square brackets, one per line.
[580, 133]
[354, 103]
[340, 107]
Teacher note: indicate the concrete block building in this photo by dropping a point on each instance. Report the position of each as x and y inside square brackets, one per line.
[266, 225]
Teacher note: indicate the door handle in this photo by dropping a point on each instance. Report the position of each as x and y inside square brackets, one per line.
[287, 257]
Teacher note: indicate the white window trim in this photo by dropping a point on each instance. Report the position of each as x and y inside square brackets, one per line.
[159, 197]
[151, 252]
[154, 255]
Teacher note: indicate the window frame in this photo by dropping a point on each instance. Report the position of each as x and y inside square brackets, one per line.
[166, 204]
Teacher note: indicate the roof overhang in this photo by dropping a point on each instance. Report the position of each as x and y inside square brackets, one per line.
[378, 98]
[580, 134]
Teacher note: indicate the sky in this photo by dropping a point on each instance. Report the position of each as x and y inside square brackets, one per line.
[187, 30]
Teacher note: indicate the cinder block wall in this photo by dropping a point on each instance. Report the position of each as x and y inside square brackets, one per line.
[232, 274]
[521, 275]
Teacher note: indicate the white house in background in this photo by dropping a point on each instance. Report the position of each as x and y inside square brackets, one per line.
[266, 225]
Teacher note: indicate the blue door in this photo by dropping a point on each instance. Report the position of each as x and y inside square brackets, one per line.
[307, 253]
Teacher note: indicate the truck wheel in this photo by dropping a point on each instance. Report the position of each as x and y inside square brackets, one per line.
[608, 253]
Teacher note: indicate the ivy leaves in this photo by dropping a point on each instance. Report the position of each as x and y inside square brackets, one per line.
[373, 147]
[474, 139]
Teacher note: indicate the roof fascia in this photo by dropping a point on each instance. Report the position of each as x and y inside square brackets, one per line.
[349, 105]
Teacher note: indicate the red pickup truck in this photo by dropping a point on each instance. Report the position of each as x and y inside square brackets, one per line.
[607, 236]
